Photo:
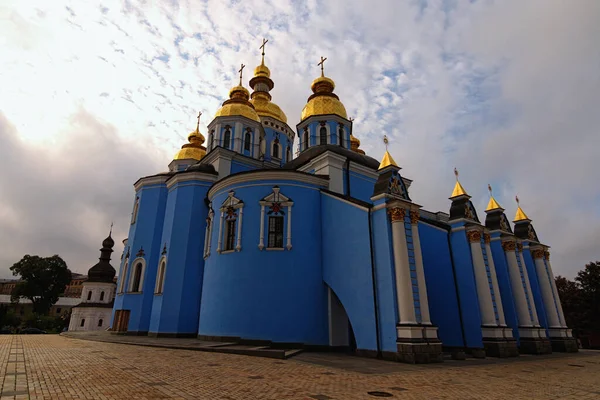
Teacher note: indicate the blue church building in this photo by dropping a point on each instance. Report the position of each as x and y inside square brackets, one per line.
[241, 241]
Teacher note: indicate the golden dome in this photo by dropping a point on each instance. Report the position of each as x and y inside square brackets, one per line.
[262, 70]
[323, 101]
[193, 149]
[238, 105]
[354, 144]
[387, 161]
[265, 108]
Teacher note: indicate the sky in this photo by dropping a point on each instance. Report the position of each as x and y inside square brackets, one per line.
[94, 95]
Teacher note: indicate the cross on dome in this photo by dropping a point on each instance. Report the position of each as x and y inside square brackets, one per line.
[323, 59]
[241, 71]
[262, 47]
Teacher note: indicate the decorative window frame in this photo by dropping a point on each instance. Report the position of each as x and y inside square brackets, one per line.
[278, 145]
[232, 208]
[276, 200]
[323, 124]
[139, 260]
[226, 129]
[136, 208]
[159, 286]
[124, 272]
[247, 134]
[288, 153]
[208, 232]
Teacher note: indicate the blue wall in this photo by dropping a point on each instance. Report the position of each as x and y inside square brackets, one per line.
[441, 286]
[508, 302]
[535, 286]
[276, 295]
[386, 281]
[347, 265]
[145, 233]
[176, 310]
[467, 291]
[361, 187]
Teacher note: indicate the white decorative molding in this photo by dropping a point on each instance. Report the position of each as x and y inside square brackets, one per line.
[150, 180]
[189, 177]
[275, 175]
[363, 208]
[123, 277]
[142, 261]
[276, 200]
[228, 210]
[208, 232]
[160, 275]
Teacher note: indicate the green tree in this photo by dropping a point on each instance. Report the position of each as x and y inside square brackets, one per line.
[570, 296]
[589, 281]
[43, 279]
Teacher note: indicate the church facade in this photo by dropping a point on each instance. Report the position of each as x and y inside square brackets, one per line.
[241, 241]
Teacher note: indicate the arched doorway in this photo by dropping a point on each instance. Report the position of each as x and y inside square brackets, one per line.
[341, 334]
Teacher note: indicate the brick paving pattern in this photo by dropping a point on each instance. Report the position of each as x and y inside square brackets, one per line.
[57, 367]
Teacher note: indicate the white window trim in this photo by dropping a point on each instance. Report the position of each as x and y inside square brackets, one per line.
[273, 144]
[136, 207]
[276, 196]
[305, 144]
[162, 269]
[132, 278]
[123, 275]
[237, 204]
[208, 232]
[343, 136]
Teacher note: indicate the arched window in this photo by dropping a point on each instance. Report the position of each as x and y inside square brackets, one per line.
[100, 322]
[229, 234]
[227, 138]
[288, 156]
[137, 277]
[247, 141]
[341, 131]
[275, 152]
[82, 322]
[160, 277]
[136, 206]
[101, 296]
[123, 275]
[323, 135]
[305, 139]
[89, 295]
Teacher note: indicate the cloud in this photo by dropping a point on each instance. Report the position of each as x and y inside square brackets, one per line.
[505, 91]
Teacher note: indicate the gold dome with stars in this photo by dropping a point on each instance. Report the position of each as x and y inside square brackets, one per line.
[323, 101]
[194, 149]
[238, 103]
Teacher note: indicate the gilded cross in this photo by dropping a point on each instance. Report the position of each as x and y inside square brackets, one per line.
[456, 173]
[262, 47]
[111, 226]
[385, 141]
[490, 189]
[241, 72]
[321, 64]
[351, 119]
[517, 199]
[198, 118]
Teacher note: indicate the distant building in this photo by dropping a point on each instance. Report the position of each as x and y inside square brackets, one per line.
[97, 294]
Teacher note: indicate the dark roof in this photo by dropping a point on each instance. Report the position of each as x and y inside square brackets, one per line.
[103, 271]
[348, 198]
[198, 167]
[316, 151]
[96, 305]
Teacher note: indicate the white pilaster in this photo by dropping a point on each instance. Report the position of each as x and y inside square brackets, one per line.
[486, 307]
[219, 241]
[492, 267]
[516, 284]
[238, 137]
[404, 296]
[546, 288]
[561, 314]
[261, 240]
[423, 299]
[238, 247]
[289, 228]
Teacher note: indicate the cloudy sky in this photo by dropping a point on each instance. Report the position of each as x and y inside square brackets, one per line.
[94, 95]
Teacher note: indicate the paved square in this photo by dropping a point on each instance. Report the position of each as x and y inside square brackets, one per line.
[57, 367]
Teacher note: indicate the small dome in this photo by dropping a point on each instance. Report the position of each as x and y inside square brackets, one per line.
[323, 101]
[194, 149]
[355, 144]
[262, 70]
[103, 271]
[238, 105]
[108, 242]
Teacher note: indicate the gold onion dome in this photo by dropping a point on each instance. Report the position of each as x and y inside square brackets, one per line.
[261, 84]
[194, 149]
[520, 215]
[355, 144]
[458, 189]
[323, 101]
[238, 103]
[492, 204]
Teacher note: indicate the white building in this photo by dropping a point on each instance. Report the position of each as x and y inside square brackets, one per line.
[97, 297]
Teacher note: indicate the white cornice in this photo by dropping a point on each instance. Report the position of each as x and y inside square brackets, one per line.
[150, 180]
[361, 169]
[190, 176]
[345, 201]
[216, 153]
[274, 175]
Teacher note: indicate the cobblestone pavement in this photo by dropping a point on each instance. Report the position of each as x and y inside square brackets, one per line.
[56, 367]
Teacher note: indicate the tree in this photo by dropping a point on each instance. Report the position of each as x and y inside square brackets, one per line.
[571, 299]
[43, 279]
[589, 281]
